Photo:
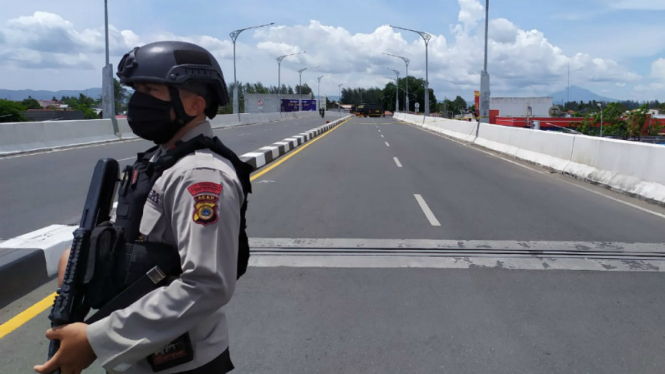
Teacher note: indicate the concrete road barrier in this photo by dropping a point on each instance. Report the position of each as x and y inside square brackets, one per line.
[629, 167]
[225, 120]
[17, 137]
[462, 130]
[635, 168]
[125, 130]
[20, 137]
[545, 148]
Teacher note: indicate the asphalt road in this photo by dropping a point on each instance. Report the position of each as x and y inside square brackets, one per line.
[351, 184]
[286, 320]
[38, 190]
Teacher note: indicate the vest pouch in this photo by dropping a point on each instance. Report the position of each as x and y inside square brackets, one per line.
[104, 276]
[143, 256]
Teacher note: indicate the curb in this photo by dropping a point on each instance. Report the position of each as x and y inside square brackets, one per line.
[30, 260]
[268, 154]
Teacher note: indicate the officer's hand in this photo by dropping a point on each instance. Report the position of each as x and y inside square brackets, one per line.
[75, 353]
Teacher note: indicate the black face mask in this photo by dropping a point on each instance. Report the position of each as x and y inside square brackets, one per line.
[150, 118]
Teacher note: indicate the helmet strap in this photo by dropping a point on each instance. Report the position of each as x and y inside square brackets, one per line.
[181, 116]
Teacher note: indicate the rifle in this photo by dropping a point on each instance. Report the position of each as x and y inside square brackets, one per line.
[70, 305]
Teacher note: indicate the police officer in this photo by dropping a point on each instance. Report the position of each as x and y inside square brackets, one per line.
[187, 193]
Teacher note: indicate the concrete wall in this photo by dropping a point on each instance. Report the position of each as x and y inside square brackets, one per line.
[270, 102]
[517, 106]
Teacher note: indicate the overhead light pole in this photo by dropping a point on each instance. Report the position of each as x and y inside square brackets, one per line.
[300, 87]
[601, 119]
[485, 76]
[318, 93]
[396, 88]
[234, 37]
[426, 37]
[108, 92]
[339, 98]
[406, 80]
[279, 76]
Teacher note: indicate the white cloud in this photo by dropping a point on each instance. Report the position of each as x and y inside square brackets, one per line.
[635, 4]
[658, 69]
[471, 11]
[46, 40]
[502, 30]
[521, 62]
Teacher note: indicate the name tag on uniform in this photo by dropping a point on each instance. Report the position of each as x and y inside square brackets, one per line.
[176, 353]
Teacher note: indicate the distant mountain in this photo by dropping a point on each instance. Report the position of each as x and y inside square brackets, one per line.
[18, 95]
[578, 94]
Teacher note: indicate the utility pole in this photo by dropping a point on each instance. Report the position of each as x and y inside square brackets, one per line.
[406, 81]
[279, 77]
[485, 76]
[318, 92]
[396, 88]
[300, 88]
[426, 37]
[108, 94]
[234, 37]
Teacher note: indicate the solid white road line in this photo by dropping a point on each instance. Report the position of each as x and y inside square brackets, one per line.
[387, 145]
[428, 212]
[617, 200]
[399, 165]
[128, 158]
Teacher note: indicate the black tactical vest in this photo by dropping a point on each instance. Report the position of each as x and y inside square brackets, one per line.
[138, 180]
[119, 254]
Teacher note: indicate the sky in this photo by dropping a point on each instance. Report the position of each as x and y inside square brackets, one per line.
[615, 48]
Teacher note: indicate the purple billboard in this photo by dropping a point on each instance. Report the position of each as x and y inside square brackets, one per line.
[291, 105]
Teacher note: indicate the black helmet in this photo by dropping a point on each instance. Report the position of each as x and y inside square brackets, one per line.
[176, 64]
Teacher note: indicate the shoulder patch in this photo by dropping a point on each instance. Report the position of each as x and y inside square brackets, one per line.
[206, 196]
[153, 196]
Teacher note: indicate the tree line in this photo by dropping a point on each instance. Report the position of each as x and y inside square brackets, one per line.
[581, 107]
[14, 111]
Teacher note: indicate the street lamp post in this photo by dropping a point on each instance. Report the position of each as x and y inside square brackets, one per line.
[318, 92]
[396, 88]
[485, 76]
[234, 36]
[426, 37]
[279, 77]
[339, 98]
[300, 87]
[108, 94]
[406, 80]
[601, 119]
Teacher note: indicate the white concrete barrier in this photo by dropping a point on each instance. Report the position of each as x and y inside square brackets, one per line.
[224, 120]
[545, 148]
[125, 130]
[461, 130]
[249, 118]
[630, 167]
[274, 116]
[32, 136]
[636, 168]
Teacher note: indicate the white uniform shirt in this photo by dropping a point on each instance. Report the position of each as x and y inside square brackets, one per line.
[194, 206]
